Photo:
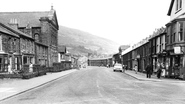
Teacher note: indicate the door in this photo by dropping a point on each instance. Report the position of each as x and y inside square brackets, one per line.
[1, 65]
[10, 65]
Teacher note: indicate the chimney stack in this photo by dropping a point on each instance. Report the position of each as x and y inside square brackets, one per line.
[13, 23]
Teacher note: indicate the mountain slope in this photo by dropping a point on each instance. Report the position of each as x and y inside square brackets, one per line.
[82, 42]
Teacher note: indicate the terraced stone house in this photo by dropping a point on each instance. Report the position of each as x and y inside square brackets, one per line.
[41, 31]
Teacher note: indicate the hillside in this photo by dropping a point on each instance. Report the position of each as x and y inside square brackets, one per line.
[79, 42]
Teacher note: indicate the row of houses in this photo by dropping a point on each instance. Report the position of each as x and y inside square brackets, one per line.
[106, 62]
[29, 37]
[166, 46]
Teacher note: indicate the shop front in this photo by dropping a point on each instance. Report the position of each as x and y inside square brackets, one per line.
[161, 62]
[175, 63]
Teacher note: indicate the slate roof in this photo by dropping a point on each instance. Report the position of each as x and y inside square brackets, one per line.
[4, 29]
[23, 18]
[15, 31]
[100, 58]
[62, 49]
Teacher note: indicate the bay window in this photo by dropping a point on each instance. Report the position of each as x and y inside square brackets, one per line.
[180, 31]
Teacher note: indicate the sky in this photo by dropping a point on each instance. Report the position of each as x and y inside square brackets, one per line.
[123, 21]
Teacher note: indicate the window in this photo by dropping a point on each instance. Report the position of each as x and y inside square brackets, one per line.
[0, 42]
[1, 65]
[37, 37]
[173, 33]
[9, 44]
[167, 39]
[173, 37]
[161, 44]
[25, 60]
[180, 31]
[14, 45]
[178, 5]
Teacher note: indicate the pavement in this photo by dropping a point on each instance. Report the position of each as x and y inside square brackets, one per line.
[142, 76]
[12, 87]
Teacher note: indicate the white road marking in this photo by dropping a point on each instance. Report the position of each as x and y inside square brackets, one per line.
[97, 85]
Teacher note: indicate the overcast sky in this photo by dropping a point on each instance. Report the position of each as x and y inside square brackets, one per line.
[123, 21]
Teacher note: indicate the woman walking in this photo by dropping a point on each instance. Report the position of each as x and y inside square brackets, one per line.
[135, 68]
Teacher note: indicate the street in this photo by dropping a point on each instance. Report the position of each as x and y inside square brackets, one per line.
[100, 85]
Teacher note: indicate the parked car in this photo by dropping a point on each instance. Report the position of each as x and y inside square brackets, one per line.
[118, 67]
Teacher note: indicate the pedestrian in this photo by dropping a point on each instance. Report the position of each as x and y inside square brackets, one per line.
[31, 67]
[135, 68]
[176, 71]
[148, 71]
[125, 67]
[159, 71]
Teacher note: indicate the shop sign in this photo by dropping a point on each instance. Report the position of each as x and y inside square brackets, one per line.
[177, 50]
[138, 56]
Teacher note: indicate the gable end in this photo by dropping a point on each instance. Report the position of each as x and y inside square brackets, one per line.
[170, 9]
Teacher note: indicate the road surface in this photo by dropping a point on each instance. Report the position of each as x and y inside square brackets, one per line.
[100, 85]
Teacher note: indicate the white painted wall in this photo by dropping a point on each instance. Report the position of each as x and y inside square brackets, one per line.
[175, 14]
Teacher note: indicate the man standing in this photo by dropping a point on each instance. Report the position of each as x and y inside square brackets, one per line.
[159, 71]
[176, 71]
[148, 71]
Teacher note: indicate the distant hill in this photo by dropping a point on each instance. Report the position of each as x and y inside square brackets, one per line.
[79, 42]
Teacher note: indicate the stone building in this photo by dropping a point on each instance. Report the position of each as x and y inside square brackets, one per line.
[16, 49]
[157, 49]
[42, 27]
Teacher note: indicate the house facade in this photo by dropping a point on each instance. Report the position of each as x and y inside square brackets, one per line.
[9, 46]
[16, 49]
[157, 48]
[175, 38]
[140, 55]
[42, 28]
